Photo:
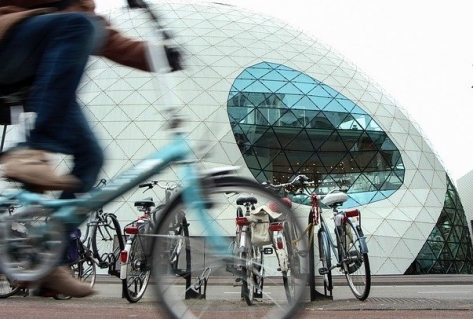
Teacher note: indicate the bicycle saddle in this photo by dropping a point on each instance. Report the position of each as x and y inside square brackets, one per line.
[246, 200]
[334, 199]
[147, 202]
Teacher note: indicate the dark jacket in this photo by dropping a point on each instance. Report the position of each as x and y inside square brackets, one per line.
[118, 48]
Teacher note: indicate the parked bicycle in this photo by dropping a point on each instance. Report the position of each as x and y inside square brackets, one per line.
[136, 259]
[203, 197]
[264, 231]
[249, 265]
[103, 239]
[349, 246]
[288, 241]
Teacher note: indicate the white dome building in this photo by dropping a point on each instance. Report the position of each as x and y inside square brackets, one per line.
[263, 95]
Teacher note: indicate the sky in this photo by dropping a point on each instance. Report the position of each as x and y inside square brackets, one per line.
[420, 52]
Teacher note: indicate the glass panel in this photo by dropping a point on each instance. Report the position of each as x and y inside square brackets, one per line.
[286, 123]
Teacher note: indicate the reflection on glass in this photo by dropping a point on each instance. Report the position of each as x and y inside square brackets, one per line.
[287, 123]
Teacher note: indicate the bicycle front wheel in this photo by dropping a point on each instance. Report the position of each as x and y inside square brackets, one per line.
[210, 232]
[355, 262]
[325, 258]
[294, 270]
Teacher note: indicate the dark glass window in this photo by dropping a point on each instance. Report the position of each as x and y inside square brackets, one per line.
[448, 249]
[287, 123]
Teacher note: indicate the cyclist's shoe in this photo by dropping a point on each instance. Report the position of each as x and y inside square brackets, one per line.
[44, 292]
[61, 281]
[32, 168]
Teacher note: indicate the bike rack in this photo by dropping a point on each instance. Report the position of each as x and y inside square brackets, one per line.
[198, 291]
[313, 293]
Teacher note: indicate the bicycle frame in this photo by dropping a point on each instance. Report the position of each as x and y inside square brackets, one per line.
[64, 210]
[73, 212]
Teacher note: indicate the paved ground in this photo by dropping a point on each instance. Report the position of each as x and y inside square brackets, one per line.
[423, 297]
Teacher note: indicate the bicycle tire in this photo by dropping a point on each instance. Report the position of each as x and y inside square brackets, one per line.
[32, 253]
[293, 265]
[107, 240]
[252, 283]
[356, 262]
[179, 264]
[172, 291]
[325, 258]
[7, 287]
[138, 269]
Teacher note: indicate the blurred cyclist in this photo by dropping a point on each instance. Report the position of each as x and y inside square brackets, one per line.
[46, 44]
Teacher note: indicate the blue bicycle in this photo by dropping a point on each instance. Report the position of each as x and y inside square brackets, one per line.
[207, 199]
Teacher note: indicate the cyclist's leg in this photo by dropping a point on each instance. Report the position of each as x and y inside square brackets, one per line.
[83, 145]
[55, 56]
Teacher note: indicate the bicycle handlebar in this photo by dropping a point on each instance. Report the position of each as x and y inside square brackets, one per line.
[303, 179]
[173, 54]
[162, 184]
[102, 182]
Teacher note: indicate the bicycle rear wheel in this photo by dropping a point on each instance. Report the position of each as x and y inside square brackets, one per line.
[252, 281]
[210, 238]
[138, 269]
[31, 244]
[356, 262]
[107, 240]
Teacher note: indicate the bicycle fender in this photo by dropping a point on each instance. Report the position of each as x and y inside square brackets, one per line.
[221, 171]
[282, 259]
[363, 245]
[124, 264]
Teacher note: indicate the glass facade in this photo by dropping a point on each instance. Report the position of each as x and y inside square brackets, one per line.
[448, 249]
[287, 123]
[309, 111]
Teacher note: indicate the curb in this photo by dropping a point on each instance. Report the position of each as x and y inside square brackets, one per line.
[378, 280]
